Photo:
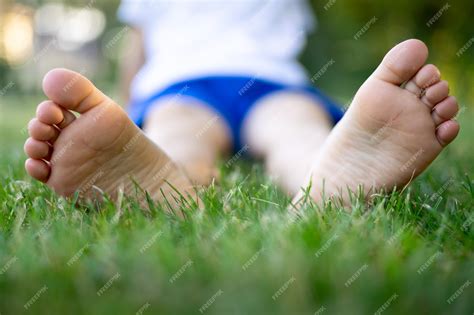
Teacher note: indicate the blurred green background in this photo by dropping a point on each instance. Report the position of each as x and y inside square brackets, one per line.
[41, 232]
[31, 41]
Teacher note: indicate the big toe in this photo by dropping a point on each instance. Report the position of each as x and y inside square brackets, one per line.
[71, 90]
[402, 62]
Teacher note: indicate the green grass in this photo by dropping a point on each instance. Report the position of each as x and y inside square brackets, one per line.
[407, 253]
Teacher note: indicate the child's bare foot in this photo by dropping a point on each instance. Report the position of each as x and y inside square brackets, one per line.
[390, 133]
[101, 150]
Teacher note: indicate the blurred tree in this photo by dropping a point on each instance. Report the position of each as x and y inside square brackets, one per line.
[355, 34]
[446, 27]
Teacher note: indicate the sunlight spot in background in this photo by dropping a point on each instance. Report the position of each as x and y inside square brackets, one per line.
[16, 35]
[72, 27]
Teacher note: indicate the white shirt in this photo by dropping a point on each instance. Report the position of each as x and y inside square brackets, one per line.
[186, 39]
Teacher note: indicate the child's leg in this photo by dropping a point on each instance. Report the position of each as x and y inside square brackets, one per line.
[192, 134]
[100, 151]
[287, 129]
[391, 132]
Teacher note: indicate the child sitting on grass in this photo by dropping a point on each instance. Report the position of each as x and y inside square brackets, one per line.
[215, 77]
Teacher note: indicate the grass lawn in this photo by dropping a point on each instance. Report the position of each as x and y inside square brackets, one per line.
[407, 253]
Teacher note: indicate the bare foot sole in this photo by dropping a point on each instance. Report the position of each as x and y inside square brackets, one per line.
[398, 123]
[100, 151]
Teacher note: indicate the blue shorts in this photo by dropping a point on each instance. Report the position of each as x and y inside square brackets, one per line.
[232, 97]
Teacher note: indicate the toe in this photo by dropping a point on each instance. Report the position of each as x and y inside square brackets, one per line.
[447, 132]
[49, 113]
[41, 131]
[436, 93]
[445, 110]
[72, 90]
[426, 77]
[37, 169]
[403, 62]
[68, 119]
[37, 149]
